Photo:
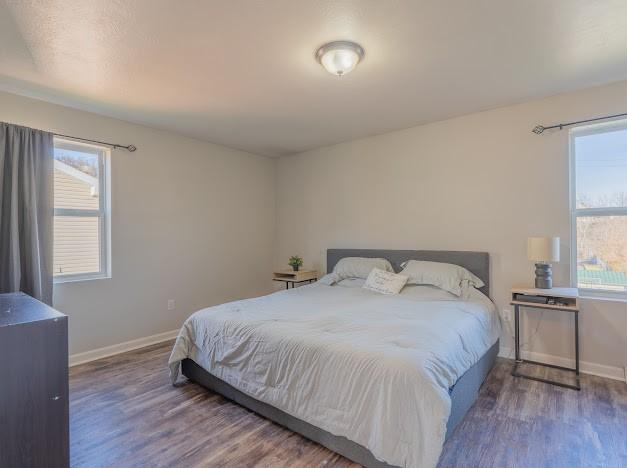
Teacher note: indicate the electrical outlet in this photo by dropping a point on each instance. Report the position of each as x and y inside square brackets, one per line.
[506, 315]
[171, 304]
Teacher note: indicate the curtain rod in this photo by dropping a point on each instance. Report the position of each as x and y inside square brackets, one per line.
[538, 129]
[130, 148]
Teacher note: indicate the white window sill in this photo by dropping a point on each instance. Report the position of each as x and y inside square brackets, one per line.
[594, 296]
[77, 279]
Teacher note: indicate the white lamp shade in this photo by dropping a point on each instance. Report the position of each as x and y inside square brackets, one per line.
[543, 249]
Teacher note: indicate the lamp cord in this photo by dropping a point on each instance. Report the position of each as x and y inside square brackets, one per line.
[531, 338]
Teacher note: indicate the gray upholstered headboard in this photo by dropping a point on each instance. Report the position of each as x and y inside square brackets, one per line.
[476, 262]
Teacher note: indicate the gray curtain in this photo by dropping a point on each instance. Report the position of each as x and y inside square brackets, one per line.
[26, 211]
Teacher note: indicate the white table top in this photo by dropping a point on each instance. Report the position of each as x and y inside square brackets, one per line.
[554, 292]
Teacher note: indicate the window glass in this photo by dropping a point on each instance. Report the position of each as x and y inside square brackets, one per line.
[601, 170]
[76, 245]
[75, 179]
[602, 252]
[599, 223]
[81, 217]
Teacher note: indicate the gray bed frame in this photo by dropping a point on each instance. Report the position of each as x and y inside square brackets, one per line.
[463, 393]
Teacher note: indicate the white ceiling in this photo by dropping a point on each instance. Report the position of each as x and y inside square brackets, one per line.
[242, 73]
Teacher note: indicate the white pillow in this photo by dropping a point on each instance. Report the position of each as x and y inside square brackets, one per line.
[351, 283]
[385, 282]
[359, 267]
[451, 278]
[332, 280]
[329, 279]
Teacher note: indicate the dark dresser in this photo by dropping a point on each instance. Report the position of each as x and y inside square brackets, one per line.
[34, 414]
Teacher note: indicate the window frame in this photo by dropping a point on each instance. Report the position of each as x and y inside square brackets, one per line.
[103, 213]
[575, 213]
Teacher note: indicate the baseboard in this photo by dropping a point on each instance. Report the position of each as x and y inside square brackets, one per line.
[94, 354]
[601, 370]
[592, 368]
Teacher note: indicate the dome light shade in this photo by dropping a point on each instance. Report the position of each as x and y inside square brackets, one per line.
[340, 57]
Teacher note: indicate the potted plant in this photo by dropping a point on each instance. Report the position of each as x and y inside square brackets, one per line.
[295, 262]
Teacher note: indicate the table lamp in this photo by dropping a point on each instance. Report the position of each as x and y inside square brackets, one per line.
[543, 250]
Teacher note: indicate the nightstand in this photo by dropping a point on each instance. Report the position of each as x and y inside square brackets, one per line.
[555, 299]
[295, 277]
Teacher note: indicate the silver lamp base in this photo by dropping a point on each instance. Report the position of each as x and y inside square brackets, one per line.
[544, 275]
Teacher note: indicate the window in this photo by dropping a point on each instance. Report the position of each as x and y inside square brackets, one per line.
[599, 209]
[81, 211]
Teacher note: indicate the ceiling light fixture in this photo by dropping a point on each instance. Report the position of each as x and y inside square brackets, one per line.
[340, 57]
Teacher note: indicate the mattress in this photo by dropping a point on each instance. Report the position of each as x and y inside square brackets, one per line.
[374, 369]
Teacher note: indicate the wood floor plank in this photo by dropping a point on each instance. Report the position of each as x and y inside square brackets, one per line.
[125, 413]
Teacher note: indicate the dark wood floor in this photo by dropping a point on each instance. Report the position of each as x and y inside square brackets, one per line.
[125, 413]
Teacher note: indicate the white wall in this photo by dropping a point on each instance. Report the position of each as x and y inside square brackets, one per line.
[196, 222]
[191, 221]
[480, 182]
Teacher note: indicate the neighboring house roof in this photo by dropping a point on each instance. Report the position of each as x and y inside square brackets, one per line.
[76, 174]
[594, 262]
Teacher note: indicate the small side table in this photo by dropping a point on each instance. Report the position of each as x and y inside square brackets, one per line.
[556, 299]
[291, 277]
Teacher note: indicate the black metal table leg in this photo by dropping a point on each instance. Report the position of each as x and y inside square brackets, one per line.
[577, 342]
[519, 359]
[291, 284]
[517, 331]
[578, 386]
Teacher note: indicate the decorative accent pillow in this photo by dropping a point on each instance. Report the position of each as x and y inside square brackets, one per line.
[451, 278]
[359, 267]
[385, 282]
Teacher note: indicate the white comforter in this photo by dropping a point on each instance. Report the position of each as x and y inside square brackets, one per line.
[375, 369]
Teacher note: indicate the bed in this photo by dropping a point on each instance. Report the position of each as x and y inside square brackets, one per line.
[381, 380]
